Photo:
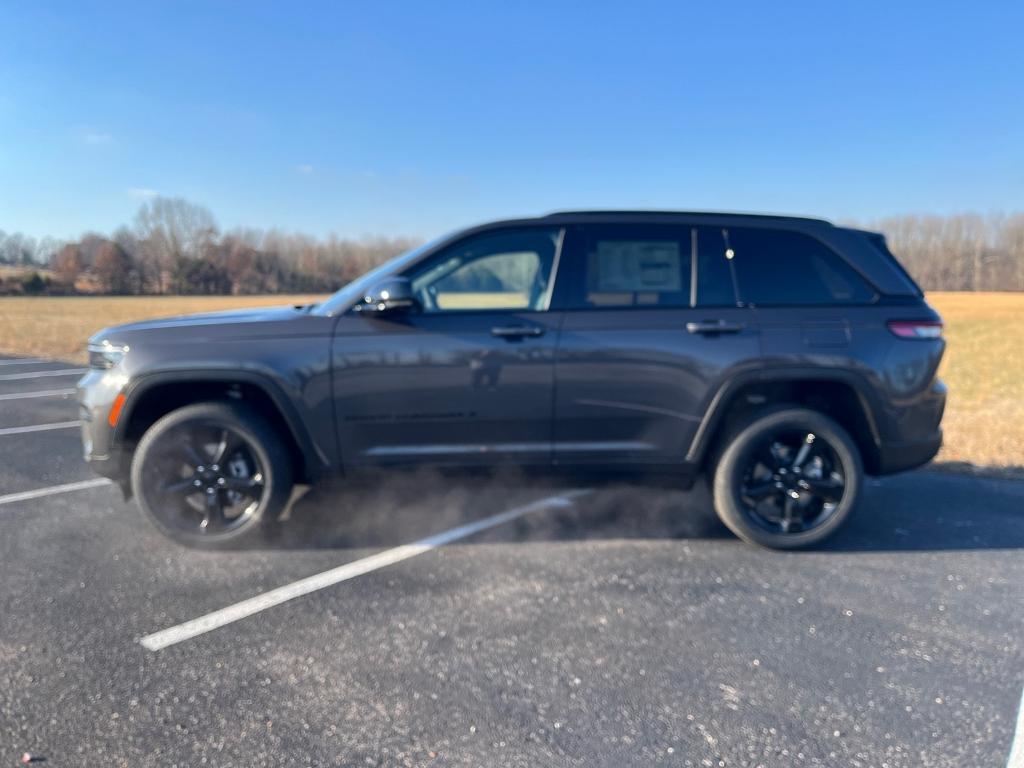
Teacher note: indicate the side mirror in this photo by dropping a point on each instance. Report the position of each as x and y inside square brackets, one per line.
[393, 294]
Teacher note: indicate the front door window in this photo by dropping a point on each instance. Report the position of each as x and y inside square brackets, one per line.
[500, 271]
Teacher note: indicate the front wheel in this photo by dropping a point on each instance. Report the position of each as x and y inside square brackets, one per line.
[787, 479]
[212, 475]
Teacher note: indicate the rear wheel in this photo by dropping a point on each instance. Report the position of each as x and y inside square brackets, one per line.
[787, 479]
[212, 475]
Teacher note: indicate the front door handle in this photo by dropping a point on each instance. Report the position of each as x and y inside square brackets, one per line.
[714, 326]
[516, 331]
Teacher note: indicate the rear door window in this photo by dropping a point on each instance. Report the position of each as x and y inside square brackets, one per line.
[633, 266]
[780, 268]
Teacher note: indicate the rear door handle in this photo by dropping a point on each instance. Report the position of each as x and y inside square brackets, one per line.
[517, 331]
[714, 326]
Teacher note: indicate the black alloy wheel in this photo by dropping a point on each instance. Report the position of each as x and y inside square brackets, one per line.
[211, 473]
[787, 478]
[203, 476]
[793, 482]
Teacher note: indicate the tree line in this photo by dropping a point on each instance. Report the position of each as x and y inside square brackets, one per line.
[961, 252]
[175, 247]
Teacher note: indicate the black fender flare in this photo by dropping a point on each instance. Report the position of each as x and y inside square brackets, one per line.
[719, 402]
[317, 462]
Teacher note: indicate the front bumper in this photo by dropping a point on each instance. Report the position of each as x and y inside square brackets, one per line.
[111, 465]
[96, 392]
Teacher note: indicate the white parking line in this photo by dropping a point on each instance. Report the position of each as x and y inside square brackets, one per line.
[42, 393]
[24, 361]
[10, 498]
[41, 374]
[1017, 745]
[245, 608]
[39, 427]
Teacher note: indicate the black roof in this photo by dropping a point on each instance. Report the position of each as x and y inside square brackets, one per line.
[589, 214]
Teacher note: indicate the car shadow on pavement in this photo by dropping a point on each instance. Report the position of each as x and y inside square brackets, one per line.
[930, 510]
[915, 511]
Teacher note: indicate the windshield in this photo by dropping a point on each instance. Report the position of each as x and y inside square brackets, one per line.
[355, 290]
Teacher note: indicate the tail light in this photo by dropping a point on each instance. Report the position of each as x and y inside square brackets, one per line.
[916, 329]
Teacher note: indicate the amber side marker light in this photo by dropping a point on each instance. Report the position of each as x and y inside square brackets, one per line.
[115, 410]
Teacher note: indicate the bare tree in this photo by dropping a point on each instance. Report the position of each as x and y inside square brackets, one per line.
[1011, 242]
[68, 264]
[170, 230]
[17, 248]
[961, 252]
[113, 268]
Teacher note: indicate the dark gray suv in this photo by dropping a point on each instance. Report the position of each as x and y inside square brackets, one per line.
[783, 357]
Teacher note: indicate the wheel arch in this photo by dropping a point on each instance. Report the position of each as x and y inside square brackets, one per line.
[842, 395]
[155, 395]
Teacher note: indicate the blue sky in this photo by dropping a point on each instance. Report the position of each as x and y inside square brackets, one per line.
[416, 118]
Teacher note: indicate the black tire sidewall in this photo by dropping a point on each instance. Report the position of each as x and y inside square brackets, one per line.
[262, 439]
[732, 463]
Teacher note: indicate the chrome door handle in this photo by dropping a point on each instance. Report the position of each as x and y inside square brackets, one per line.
[516, 331]
[714, 326]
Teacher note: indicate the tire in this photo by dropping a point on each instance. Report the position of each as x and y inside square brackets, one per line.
[770, 494]
[212, 476]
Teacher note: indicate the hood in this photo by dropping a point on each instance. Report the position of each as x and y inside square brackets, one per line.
[227, 317]
[235, 323]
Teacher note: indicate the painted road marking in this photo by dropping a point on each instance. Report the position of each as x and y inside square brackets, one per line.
[39, 427]
[43, 393]
[1017, 745]
[24, 361]
[10, 498]
[42, 374]
[254, 605]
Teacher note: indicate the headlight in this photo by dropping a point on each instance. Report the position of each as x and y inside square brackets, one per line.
[105, 355]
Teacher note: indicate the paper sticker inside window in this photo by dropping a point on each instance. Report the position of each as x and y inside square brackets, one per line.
[634, 265]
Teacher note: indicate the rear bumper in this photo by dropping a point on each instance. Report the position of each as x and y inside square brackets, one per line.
[912, 432]
[898, 457]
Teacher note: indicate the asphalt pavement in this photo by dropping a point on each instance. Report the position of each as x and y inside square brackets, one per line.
[623, 626]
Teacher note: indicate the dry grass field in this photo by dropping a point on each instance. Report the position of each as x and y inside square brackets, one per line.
[984, 369]
[59, 326]
[984, 364]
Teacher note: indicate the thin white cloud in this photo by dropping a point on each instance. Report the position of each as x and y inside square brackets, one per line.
[305, 169]
[142, 193]
[96, 137]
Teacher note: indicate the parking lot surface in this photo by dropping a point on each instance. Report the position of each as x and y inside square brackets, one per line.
[617, 627]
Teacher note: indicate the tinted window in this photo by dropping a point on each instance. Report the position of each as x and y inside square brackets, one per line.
[776, 267]
[634, 266]
[507, 270]
[715, 286]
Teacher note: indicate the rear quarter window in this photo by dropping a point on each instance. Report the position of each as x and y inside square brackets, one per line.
[782, 268]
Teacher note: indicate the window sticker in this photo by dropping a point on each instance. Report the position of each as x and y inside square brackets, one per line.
[637, 265]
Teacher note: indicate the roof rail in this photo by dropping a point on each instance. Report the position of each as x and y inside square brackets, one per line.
[720, 214]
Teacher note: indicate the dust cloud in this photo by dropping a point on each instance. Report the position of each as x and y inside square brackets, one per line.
[389, 508]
